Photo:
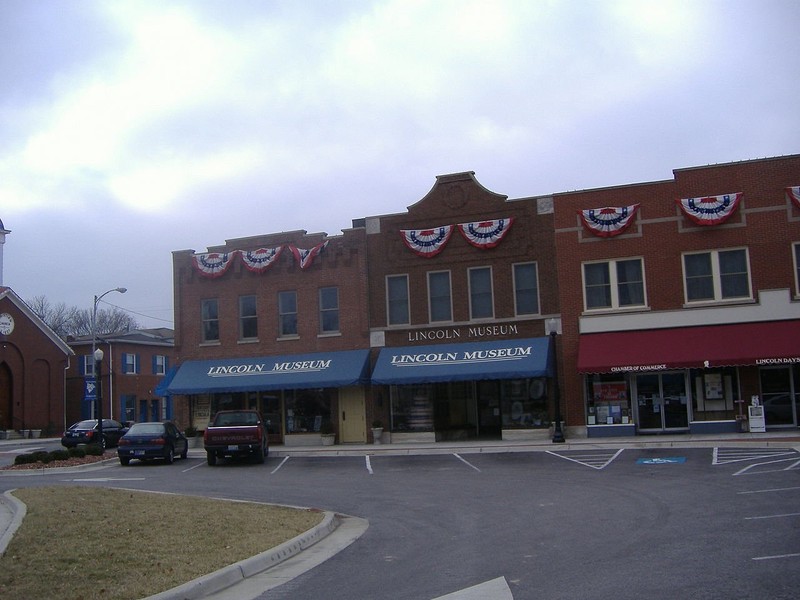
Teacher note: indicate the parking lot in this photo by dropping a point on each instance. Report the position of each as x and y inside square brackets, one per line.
[562, 523]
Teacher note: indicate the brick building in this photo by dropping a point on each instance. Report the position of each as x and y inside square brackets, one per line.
[679, 300]
[460, 287]
[134, 364]
[675, 303]
[33, 363]
[277, 323]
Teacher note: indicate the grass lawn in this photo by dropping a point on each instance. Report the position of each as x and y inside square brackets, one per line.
[80, 543]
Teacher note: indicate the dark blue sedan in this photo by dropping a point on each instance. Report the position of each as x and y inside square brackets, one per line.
[146, 441]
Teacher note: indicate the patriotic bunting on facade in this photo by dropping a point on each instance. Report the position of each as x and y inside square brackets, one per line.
[794, 193]
[427, 242]
[486, 234]
[608, 221]
[213, 264]
[710, 210]
[306, 257]
[260, 260]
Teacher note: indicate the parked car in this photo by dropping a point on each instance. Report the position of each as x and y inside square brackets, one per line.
[146, 441]
[85, 432]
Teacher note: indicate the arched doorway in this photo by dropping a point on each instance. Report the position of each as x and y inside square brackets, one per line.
[6, 404]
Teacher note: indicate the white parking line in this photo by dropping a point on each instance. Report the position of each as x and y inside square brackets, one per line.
[769, 462]
[796, 554]
[772, 516]
[369, 464]
[770, 490]
[469, 464]
[275, 470]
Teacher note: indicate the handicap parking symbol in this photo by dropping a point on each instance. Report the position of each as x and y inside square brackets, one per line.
[671, 460]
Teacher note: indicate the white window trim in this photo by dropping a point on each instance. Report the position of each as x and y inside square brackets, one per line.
[242, 317]
[614, 284]
[430, 303]
[408, 299]
[88, 365]
[161, 364]
[514, 283]
[134, 364]
[717, 279]
[469, 285]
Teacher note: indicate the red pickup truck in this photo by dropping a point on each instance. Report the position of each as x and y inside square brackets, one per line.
[236, 433]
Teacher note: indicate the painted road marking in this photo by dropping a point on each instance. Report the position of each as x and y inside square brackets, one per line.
[789, 489]
[283, 462]
[466, 462]
[772, 516]
[724, 456]
[496, 589]
[670, 460]
[369, 464]
[597, 459]
[795, 555]
[794, 464]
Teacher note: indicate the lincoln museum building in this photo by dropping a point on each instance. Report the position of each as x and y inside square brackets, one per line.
[667, 306]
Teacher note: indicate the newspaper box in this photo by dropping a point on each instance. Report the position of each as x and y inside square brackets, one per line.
[756, 416]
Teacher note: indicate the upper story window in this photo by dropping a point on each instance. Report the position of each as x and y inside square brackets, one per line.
[210, 317]
[481, 300]
[526, 289]
[88, 365]
[159, 364]
[130, 363]
[248, 321]
[614, 284]
[796, 252]
[329, 309]
[397, 309]
[287, 313]
[440, 305]
[716, 275]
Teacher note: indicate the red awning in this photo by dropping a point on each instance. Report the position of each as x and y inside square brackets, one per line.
[769, 343]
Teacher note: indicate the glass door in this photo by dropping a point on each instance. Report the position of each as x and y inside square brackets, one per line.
[662, 402]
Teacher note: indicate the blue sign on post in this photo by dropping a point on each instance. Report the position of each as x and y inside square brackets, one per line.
[89, 390]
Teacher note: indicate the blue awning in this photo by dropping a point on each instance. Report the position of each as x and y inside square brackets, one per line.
[507, 359]
[297, 371]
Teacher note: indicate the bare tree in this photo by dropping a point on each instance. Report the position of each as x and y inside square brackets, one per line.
[76, 321]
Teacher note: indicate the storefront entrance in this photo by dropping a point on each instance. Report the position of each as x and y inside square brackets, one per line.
[662, 402]
[779, 387]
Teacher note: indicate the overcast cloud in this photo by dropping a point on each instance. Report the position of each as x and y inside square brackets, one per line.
[132, 129]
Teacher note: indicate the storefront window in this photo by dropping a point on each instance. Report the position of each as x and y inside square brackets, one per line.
[306, 410]
[412, 408]
[608, 401]
[714, 394]
[524, 403]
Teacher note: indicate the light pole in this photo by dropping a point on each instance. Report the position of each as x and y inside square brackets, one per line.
[98, 362]
[552, 329]
[97, 299]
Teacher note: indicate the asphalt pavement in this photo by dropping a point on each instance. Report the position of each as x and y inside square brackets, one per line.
[252, 577]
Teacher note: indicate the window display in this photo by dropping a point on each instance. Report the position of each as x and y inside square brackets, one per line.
[608, 401]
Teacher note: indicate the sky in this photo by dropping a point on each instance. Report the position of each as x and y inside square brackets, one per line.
[132, 129]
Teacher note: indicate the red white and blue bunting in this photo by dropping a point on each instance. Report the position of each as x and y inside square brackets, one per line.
[306, 256]
[609, 220]
[486, 234]
[213, 264]
[260, 260]
[710, 210]
[427, 242]
[794, 193]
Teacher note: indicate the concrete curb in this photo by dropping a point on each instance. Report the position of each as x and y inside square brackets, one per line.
[17, 510]
[238, 572]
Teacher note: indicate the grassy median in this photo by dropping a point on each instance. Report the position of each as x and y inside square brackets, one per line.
[80, 543]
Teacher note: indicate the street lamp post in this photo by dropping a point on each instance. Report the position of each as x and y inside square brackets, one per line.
[558, 434]
[98, 362]
[97, 299]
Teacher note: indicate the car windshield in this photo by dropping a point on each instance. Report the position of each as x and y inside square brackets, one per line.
[85, 425]
[146, 429]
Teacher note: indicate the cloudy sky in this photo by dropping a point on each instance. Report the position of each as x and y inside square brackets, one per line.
[129, 129]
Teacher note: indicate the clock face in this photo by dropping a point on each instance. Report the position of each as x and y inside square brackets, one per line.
[6, 324]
